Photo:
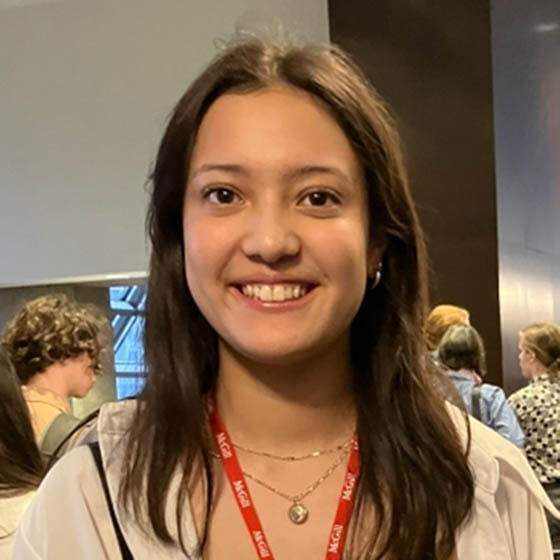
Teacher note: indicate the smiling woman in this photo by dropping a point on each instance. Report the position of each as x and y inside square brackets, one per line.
[257, 222]
[288, 410]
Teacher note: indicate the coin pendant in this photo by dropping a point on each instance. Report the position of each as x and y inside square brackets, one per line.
[298, 513]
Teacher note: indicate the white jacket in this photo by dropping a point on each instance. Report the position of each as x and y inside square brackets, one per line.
[69, 519]
[11, 511]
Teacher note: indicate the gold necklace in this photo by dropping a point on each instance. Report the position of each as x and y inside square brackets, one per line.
[340, 447]
[298, 512]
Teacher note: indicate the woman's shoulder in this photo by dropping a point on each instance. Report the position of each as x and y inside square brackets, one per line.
[59, 522]
[494, 460]
[492, 392]
[12, 508]
[73, 486]
[521, 394]
[508, 500]
[116, 417]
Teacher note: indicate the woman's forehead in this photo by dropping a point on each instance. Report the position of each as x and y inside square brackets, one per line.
[272, 128]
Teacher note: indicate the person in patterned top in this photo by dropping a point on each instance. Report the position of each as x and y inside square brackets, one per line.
[538, 408]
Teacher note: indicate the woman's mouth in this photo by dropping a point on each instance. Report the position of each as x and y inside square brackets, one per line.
[275, 293]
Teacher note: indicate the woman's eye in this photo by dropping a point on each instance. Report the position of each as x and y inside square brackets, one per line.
[319, 199]
[221, 195]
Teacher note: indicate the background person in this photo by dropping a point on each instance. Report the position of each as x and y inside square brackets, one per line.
[440, 319]
[21, 467]
[538, 408]
[461, 353]
[55, 345]
[287, 368]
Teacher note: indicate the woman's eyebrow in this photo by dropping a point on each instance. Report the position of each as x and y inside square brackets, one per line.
[292, 173]
[306, 170]
[227, 167]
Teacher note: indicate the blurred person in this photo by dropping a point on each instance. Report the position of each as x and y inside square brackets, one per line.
[54, 344]
[538, 408]
[21, 467]
[440, 319]
[461, 353]
[287, 411]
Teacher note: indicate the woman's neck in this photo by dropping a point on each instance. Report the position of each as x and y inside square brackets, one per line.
[290, 409]
[538, 369]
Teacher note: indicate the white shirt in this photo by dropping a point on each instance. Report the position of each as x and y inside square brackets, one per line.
[69, 518]
[11, 511]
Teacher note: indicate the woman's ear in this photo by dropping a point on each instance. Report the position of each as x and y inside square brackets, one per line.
[376, 251]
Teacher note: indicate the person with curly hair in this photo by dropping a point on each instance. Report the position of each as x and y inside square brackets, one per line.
[54, 344]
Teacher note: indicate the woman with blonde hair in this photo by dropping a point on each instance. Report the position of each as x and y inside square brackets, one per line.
[538, 407]
[287, 411]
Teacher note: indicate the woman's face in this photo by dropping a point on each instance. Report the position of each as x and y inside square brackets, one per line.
[526, 360]
[275, 226]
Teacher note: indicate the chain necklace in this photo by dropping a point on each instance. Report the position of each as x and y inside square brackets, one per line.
[298, 512]
[342, 446]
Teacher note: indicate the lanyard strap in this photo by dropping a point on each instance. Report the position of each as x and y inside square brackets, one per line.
[244, 501]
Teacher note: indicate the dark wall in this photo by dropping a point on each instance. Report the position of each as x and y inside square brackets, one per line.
[432, 62]
[526, 49]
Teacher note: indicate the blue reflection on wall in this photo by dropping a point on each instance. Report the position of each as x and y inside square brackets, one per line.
[128, 305]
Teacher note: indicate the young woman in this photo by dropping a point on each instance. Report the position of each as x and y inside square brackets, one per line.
[461, 353]
[538, 408]
[21, 467]
[287, 413]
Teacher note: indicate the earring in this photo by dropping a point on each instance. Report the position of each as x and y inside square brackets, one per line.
[377, 277]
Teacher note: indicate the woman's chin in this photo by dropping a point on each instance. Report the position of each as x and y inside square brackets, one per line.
[274, 353]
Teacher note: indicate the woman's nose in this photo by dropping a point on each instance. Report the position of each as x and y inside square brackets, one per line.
[270, 236]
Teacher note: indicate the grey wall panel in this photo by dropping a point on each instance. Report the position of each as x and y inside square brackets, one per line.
[526, 51]
[86, 87]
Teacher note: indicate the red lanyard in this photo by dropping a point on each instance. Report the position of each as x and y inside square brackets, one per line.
[240, 490]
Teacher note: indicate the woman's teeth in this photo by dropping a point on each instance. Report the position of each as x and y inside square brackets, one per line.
[274, 292]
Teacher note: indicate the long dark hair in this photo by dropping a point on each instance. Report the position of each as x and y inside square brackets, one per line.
[414, 469]
[21, 466]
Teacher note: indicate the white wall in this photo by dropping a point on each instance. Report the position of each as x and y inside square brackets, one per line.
[85, 88]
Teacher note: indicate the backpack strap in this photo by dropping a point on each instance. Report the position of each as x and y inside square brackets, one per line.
[96, 452]
[84, 431]
[475, 402]
[54, 441]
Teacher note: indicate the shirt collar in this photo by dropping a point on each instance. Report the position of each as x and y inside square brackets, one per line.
[542, 377]
[463, 375]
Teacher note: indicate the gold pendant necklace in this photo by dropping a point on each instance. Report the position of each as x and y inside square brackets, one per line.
[298, 512]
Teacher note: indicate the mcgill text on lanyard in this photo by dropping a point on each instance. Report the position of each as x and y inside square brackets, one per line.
[335, 545]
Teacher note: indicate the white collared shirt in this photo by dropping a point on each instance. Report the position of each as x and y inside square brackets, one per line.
[507, 520]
